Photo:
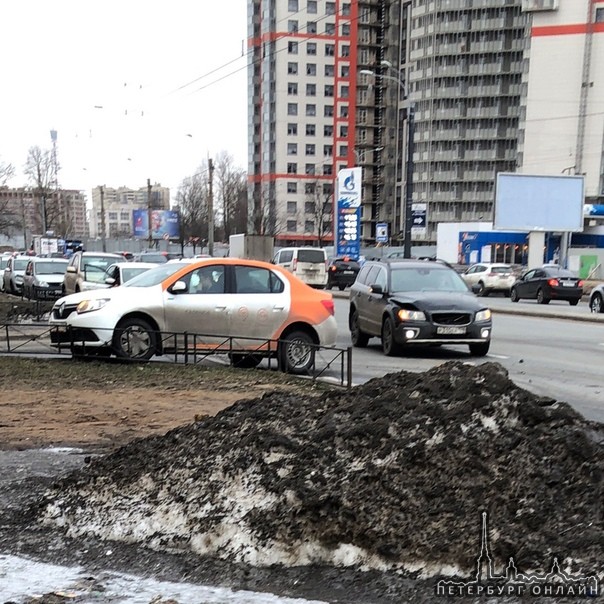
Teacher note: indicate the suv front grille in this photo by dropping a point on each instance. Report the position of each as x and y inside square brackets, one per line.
[452, 318]
[63, 311]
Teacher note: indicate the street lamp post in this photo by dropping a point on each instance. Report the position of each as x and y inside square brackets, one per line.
[407, 159]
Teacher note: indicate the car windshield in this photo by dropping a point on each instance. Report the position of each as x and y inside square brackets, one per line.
[20, 264]
[430, 278]
[50, 268]
[155, 276]
[132, 271]
[311, 256]
[159, 258]
[501, 269]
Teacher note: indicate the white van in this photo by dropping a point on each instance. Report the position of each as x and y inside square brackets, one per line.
[308, 264]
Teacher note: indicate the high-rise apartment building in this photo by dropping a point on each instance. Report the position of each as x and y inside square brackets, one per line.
[118, 205]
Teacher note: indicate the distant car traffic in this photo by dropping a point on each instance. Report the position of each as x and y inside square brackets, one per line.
[550, 282]
[13, 274]
[410, 303]
[307, 263]
[496, 277]
[86, 270]
[252, 302]
[596, 299]
[43, 278]
[342, 272]
[121, 272]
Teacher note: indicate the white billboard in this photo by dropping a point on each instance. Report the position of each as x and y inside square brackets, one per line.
[525, 202]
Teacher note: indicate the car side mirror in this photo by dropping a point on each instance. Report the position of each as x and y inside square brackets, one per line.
[71, 269]
[476, 288]
[178, 288]
[376, 289]
[110, 281]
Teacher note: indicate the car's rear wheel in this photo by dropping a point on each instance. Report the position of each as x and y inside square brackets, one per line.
[514, 295]
[480, 290]
[245, 361]
[389, 345]
[480, 349]
[134, 339]
[341, 287]
[541, 299]
[574, 302]
[296, 353]
[597, 304]
[358, 337]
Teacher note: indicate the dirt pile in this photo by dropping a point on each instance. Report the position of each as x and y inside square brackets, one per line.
[394, 474]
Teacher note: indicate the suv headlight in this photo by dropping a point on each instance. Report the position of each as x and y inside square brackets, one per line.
[90, 305]
[410, 315]
[41, 284]
[483, 315]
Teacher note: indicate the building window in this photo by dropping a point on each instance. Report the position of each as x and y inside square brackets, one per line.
[292, 48]
[328, 111]
[292, 88]
[330, 50]
[327, 130]
[311, 48]
[599, 15]
[328, 90]
[344, 92]
[327, 170]
[327, 228]
[345, 71]
[292, 149]
[345, 50]
[344, 111]
[292, 68]
[311, 7]
[292, 187]
[346, 9]
[310, 149]
[328, 150]
[346, 29]
[343, 150]
[292, 5]
[330, 29]
[309, 226]
[310, 129]
[330, 8]
[309, 188]
[125, 216]
[327, 190]
[311, 69]
[309, 206]
[292, 226]
[112, 215]
[292, 129]
[292, 168]
[311, 27]
[343, 131]
[311, 110]
[292, 27]
[292, 208]
[330, 71]
[311, 90]
[309, 169]
[292, 109]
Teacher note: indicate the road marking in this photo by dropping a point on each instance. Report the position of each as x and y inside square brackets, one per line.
[497, 356]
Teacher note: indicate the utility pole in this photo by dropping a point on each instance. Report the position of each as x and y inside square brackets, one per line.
[409, 182]
[149, 212]
[210, 207]
[103, 219]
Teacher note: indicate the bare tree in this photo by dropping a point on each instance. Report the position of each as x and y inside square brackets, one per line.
[192, 198]
[231, 194]
[40, 171]
[8, 219]
[319, 196]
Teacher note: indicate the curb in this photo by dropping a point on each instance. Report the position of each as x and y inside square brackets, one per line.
[523, 312]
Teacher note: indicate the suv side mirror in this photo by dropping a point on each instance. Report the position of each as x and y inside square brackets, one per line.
[376, 289]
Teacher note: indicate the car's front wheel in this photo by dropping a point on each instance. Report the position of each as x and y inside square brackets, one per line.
[479, 349]
[514, 295]
[297, 354]
[134, 339]
[574, 302]
[597, 304]
[359, 338]
[389, 344]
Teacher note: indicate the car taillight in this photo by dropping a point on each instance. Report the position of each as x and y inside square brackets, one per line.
[332, 268]
[553, 282]
[329, 305]
[580, 284]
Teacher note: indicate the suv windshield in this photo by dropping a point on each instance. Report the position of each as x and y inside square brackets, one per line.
[155, 276]
[50, 268]
[20, 264]
[430, 278]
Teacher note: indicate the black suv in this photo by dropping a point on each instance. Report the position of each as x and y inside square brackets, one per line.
[342, 272]
[411, 302]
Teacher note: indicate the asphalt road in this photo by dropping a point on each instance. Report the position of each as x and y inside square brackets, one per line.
[547, 355]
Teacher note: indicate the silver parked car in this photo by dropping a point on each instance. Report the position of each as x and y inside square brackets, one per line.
[596, 299]
[43, 279]
[13, 274]
[86, 271]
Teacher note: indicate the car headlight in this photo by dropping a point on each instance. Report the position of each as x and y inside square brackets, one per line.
[42, 284]
[483, 315]
[90, 305]
[410, 315]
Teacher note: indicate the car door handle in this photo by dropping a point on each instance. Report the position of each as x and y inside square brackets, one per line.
[275, 308]
[220, 307]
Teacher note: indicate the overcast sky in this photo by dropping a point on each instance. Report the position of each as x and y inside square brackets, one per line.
[127, 85]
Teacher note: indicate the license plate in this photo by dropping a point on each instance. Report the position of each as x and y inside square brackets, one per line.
[348, 272]
[450, 331]
[568, 284]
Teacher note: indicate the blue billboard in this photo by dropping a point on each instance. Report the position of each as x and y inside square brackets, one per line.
[348, 208]
[164, 224]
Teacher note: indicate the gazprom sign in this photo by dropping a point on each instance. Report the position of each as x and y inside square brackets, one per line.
[348, 208]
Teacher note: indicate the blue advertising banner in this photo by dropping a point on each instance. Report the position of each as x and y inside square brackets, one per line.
[348, 208]
[164, 224]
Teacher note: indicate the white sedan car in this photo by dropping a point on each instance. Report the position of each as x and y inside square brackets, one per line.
[496, 277]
